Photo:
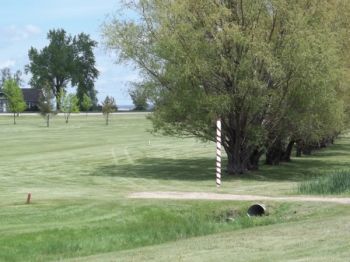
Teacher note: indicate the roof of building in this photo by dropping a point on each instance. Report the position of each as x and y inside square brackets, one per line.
[31, 94]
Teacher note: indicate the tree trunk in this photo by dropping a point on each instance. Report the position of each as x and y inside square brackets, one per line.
[57, 96]
[240, 162]
[241, 159]
[273, 156]
[235, 156]
[47, 120]
[235, 165]
[58, 107]
[254, 159]
[241, 156]
[107, 115]
[14, 118]
[323, 142]
[274, 153]
[299, 148]
[306, 149]
[288, 152]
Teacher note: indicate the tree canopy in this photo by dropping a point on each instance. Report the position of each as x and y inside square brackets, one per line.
[108, 106]
[272, 71]
[14, 95]
[6, 74]
[65, 60]
[86, 104]
[46, 104]
[69, 104]
[139, 98]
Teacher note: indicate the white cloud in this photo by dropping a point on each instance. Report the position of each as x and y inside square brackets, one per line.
[7, 63]
[19, 33]
[32, 29]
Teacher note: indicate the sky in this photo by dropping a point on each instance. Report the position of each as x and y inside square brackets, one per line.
[25, 23]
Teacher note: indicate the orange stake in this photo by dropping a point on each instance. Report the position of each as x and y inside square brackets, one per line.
[28, 198]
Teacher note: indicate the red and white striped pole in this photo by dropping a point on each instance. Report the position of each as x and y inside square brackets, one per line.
[218, 153]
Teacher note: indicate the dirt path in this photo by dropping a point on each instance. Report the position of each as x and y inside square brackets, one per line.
[217, 196]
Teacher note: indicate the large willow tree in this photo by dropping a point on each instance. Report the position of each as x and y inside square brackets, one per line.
[265, 67]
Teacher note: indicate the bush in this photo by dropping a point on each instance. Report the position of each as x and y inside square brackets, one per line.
[335, 183]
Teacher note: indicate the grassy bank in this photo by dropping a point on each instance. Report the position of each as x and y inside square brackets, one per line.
[294, 241]
[80, 175]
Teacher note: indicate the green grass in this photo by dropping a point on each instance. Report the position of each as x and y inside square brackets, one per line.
[143, 225]
[80, 175]
[336, 183]
[294, 241]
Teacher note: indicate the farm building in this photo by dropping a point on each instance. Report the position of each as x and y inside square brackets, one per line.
[31, 97]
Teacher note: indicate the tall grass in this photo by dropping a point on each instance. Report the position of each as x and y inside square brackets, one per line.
[336, 183]
[150, 224]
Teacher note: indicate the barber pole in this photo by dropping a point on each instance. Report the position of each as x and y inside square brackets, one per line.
[218, 152]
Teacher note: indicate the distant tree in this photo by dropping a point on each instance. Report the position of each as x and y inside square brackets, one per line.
[139, 98]
[53, 64]
[86, 103]
[6, 74]
[108, 106]
[69, 104]
[46, 104]
[66, 59]
[14, 95]
[84, 72]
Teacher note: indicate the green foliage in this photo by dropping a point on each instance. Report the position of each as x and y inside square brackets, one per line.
[139, 98]
[68, 105]
[6, 74]
[336, 183]
[108, 106]
[46, 104]
[66, 59]
[84, 71]
[270, 70]
[86, 103]
[14, 95]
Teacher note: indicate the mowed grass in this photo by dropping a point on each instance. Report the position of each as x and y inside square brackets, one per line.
[80, 175]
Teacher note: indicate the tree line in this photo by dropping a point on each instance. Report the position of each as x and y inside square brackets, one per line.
[276, 72]
[68, 102]
[66, 60]
[70, 60]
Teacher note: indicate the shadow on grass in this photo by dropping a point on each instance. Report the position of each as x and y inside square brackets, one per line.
[162, 168]
[340, 148]
[200, 169]
[298, 170]
[203, 169]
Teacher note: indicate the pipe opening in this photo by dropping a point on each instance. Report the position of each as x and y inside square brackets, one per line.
[256, 210]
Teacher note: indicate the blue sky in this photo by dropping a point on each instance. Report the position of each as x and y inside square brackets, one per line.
[25, 23]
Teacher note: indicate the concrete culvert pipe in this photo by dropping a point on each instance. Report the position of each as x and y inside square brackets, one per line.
[256, 210]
